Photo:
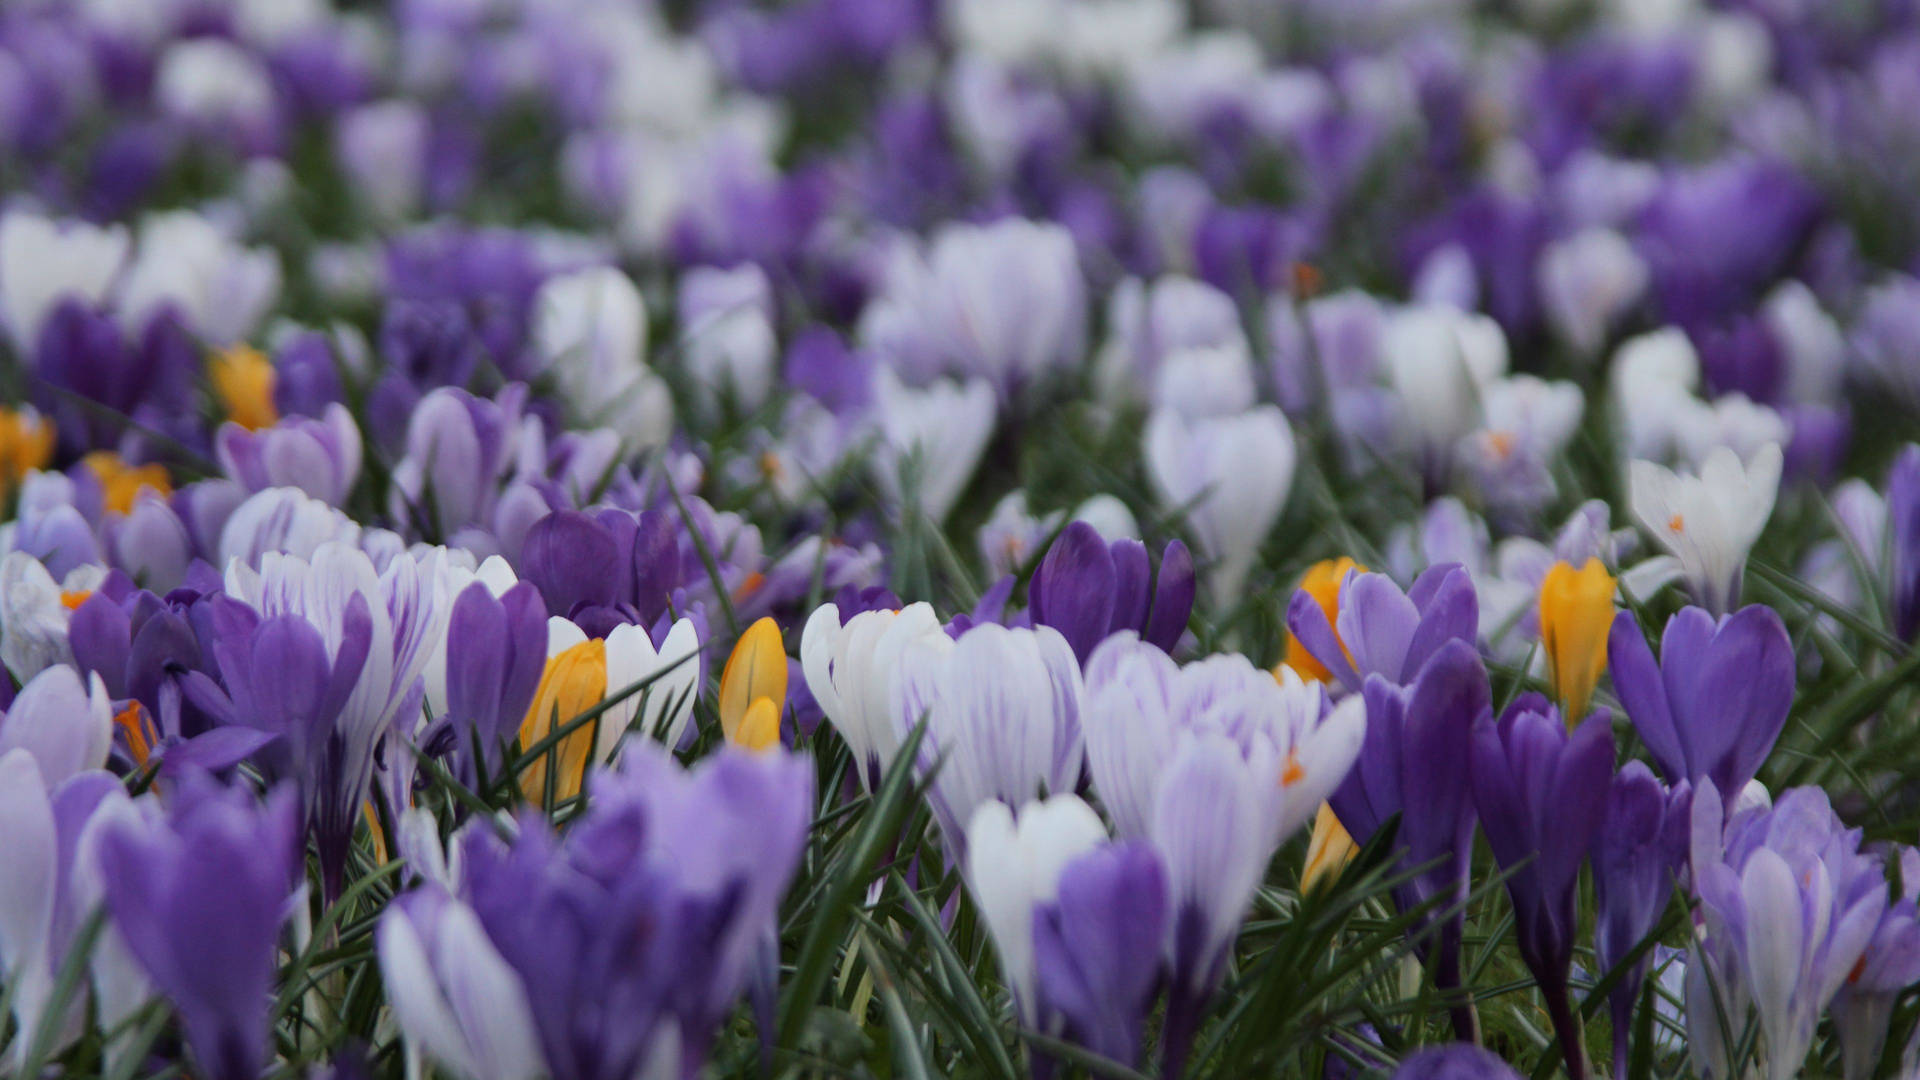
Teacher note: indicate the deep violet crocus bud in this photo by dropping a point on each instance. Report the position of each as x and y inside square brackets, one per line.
[199, 899]
[1097, 946]
[496, 652]
[1639, 851]
[319, 456]
[1384, 631]
[570, 557]
[1714, 704]
[1089, 589]
[1414, 762]
[1539, 790]
[1903, 531]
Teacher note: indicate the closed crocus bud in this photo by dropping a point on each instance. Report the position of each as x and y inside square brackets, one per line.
[1329, 849]
[64, 722]
[1013, 865]
[1709, 521]
[753, 687]
[590, 329]
[1321, 583]
[1230, 476]
[569, 556]
[320, 457]
[242, 379]
[1639, 853]
[931, 440]
[185, 262]
[727, 335]
[574, 681]
[26, 444]
[199, 900]
[281, 520]
[495, 656]
[1539, 790]
[151, 544]
[383, 149]
[457, 447]
[1587, 281]
[850, 668]
[1097, 946]
[1576, 613]
[1903, 533]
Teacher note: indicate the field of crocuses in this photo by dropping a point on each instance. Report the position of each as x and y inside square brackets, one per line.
[974, 539]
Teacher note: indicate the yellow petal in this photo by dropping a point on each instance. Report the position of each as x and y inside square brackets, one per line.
[1322, 582]
[373, 827]
[757, 669]
[242, 380]
[121, 483]
[26, 444]
[1329, 850]
[760, 728]
[1576, 610]
[574, 681]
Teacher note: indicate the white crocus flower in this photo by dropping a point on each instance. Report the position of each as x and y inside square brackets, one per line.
[1230, 476]
[35, 610]
[1709, 521]
[590, 329]
[934, 435]
[850, 668]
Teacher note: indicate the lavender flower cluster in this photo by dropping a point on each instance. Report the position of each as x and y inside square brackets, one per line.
[617, 539]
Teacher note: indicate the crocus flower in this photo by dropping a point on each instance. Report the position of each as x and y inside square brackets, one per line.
[63, 721]
[930, 440]
[590, 329]
[1639, 851]
[1456, 1061]
[26, 444]
[1002, 708]
[1576, 612]
[1538, 789]
[1097, 948]
[200, 898]
[1709, 521]
[1888, 965]
[320, 457]
[1321, 582]
[495, 655]
[1714, 704]
[1382, 630]
[41, 829]
[1789, 904]
[1089, 589]
[572, 956]
[242, 381]
[581, 673]
[1230, 476]
[1903, 531]
[44, 261]
[753, 687]
[1329, 848]
[1013, 865]
[1414, 763]
[850, 669]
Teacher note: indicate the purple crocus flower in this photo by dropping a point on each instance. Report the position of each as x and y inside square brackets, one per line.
[1455, 1061]
[199, 899]
[1385, 631]
[1889, 964]
[1089, 589]
[1639, 849]
[1539, 791]
[1903, 533]
[496, 652]
[1413, 762]
[457, 448]
[566, 955]
[1788, 905]
[319, 456]
[1714, 704]
[1097, 946]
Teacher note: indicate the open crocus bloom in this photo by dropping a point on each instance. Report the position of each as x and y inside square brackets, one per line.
[1709, 521]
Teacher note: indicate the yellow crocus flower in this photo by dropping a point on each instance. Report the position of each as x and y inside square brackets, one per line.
[753, 687]
[242, 379]
[1328, 851]
[26, 444]
[121, 483]
[1576, 610]
[574, 681]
